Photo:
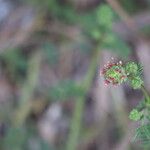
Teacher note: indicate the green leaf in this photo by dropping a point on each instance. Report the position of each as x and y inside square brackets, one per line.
[39, 144]
[142, 134]
[88, 22]
[105, 16]
[141, 105]
[65, 89]
[16, 63]
[96, 34]
[15, 139]
[140, 69]
[51, 52]
[112, 42]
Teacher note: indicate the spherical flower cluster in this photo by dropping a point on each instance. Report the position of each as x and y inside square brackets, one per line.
[135, 115]
[114, 73]
[131, 68]
[134, 71]
[136, 83]
[117, 73]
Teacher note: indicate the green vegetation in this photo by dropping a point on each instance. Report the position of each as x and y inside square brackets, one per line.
[57, 65]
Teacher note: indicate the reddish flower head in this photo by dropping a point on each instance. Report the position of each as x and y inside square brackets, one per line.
[114, 73]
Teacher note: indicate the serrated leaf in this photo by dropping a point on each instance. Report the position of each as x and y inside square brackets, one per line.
[140, 69]
[143, 134]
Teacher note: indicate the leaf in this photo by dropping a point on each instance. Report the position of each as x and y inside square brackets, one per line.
[15, 139]
[16, 63]
[88, 22]
[143, 134]
[37, 143]
[112, 42]
[105, 16]
[141, 105]
[51, 53]
[140, 69]
[96, 34]
[65, 89]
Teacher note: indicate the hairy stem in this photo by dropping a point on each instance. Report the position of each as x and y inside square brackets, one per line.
[147, 97]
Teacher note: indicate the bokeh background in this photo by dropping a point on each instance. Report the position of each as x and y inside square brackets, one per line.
[51, 94]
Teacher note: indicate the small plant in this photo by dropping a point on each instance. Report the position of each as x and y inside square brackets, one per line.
[116, 73]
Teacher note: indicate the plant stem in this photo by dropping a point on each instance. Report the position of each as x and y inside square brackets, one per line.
[79, 105]
[147, 100]
[25, 104]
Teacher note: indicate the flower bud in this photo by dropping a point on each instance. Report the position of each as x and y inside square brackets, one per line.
[135, 115]
[131, 68]
[136, 82]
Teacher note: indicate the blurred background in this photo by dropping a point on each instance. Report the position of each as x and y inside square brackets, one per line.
[51, 94]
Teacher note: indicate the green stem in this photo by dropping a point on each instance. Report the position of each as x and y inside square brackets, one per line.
[76, 124]
[25, 104]
[147, 97]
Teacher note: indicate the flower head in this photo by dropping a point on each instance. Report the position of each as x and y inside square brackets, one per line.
[136, 82]
[131, 68]
[114, 73]
[117, 73]
[135, 115]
